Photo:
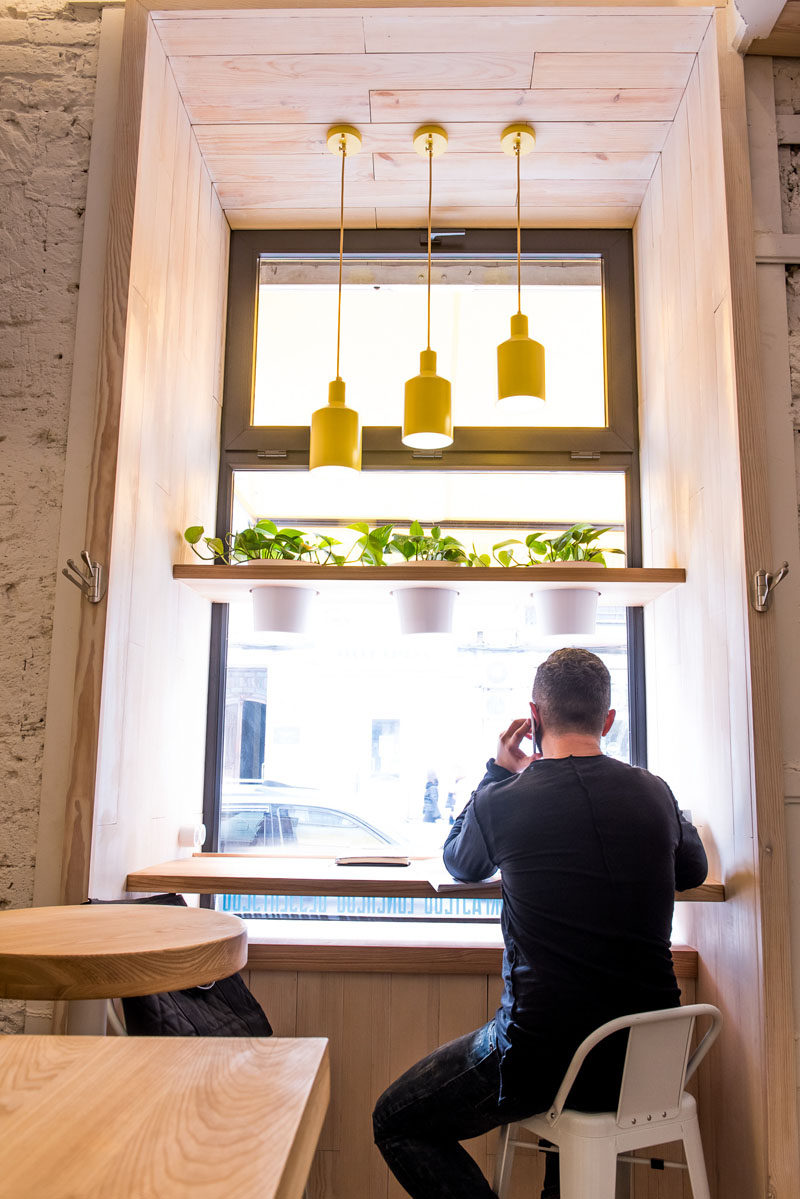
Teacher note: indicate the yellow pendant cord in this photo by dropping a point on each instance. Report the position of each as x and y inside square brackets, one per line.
[343, 149]
[517, 144]
[429, 145]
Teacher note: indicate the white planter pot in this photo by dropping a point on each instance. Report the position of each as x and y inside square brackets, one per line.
[281, 608]
[564, 611]
[425, 609]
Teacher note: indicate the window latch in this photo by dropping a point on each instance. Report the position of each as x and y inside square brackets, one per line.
[585, 455]
[273, 453]
[426, 453]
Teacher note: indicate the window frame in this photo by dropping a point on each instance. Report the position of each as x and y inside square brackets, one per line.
[615, 447]
[382, 447]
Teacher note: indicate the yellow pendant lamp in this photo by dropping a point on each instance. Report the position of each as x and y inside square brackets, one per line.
[427, 416]
[335, 435]
[520, 360]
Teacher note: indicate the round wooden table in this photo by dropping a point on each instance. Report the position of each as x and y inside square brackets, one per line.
[103, 951]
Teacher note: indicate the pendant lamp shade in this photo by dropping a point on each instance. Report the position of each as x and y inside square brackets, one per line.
[427, 414]
[520, 367]
[427, 421]
[520, 360]
[335, 443]
[335, 437]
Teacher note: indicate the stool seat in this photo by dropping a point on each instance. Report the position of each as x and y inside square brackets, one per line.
[653, 1108]
[589, 1125]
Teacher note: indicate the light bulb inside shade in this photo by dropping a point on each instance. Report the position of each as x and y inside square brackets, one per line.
[427, 441]
[334, 474]
[427, 414]
[523, 405]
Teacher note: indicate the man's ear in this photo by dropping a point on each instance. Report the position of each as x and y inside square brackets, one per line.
[609, 721]
[535, 717]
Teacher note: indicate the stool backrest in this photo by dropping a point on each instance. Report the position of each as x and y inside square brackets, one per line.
[657, 1061]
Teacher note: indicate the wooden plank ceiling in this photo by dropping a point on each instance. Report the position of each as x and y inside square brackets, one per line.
[600, 85]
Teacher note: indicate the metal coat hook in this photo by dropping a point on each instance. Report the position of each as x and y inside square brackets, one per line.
[763, 584]
[92, 585]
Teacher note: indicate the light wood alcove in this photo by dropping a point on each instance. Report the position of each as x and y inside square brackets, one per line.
[139, 696]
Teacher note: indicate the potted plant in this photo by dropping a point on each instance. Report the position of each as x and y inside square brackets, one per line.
[576, 544]
[278, 607]
[561, 611]
[427, 609]
[373, 543]
[418, 546]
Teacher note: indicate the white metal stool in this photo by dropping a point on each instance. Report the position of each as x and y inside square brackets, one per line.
[653, 1107]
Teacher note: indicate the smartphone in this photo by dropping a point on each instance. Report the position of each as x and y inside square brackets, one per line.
[536, 733]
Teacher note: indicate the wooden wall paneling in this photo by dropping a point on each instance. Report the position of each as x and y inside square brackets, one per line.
[300, 218]
[780, 1084]
[321, 1013]
[166, 462]
[79, 799]
[542, 104]
[414, 1031]
[699, 399]
[112, 709]
[763, 138]
[563, 216]
[605, 69]
[165, 10]
[247, 82]
[386, 193]
[465, 167]
[686, 439]
[243, 145]
[360, 1169]
[620, 216]
[462, 1009]
[262, 33]
[541, 30]
[317, 170]
[276, 991]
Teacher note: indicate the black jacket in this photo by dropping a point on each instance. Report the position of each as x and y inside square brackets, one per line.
[591, 852]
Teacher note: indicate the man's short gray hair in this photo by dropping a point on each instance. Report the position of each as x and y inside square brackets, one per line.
[572, 690]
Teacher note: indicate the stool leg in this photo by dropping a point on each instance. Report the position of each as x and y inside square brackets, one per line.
[504, 1161]
[587, 1168]
[86, 1017]
[695, 1160]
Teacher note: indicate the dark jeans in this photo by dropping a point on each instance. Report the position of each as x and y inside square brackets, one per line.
[448, 1097]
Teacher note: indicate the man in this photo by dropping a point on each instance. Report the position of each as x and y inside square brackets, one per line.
[591, 852]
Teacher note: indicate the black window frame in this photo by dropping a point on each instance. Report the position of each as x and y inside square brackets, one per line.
[615, 447]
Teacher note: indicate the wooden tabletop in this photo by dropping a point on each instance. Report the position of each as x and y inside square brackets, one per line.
[252, 874]
[98, 951]
[159, 1117]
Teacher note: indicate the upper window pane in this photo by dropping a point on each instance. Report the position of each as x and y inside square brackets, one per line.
[384, 328]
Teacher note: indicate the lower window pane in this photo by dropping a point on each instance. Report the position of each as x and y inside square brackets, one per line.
[361, 739]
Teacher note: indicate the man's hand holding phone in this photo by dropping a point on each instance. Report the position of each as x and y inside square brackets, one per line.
[510, 753]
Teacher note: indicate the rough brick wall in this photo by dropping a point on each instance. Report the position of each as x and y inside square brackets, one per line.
[48, 62]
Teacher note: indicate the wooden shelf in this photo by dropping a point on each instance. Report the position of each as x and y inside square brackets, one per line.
[207, 874]
[628, 586]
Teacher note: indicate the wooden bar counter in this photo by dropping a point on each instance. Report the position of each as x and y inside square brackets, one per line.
[255, 874]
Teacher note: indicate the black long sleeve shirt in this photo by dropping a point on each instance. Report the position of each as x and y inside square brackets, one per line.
[591, 852]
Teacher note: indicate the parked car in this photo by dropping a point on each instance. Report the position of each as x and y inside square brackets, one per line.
[268, 815]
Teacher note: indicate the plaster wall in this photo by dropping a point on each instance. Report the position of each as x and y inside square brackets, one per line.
[48, 66]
